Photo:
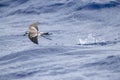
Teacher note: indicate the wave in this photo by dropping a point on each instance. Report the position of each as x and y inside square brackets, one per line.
[54, 7]
[97, 6]
[28, 54]
[11, 3]
[102, 43]
[38, 10]
[111, 62]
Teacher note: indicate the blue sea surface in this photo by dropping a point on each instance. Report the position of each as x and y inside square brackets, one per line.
[84, 45]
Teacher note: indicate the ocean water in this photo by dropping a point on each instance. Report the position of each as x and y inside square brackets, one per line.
[85, 40]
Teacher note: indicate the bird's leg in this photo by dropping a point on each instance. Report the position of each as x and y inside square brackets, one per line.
[46, 37]
[44, 34]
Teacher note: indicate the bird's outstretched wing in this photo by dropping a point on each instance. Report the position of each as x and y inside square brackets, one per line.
[35, 25]
[33, 34]
[33, 39]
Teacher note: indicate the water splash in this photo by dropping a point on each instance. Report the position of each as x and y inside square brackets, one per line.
[90, 40]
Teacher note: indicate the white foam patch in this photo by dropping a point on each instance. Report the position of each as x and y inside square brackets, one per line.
[90, 39]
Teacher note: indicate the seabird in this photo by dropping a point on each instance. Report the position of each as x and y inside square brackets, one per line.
[33, 33]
